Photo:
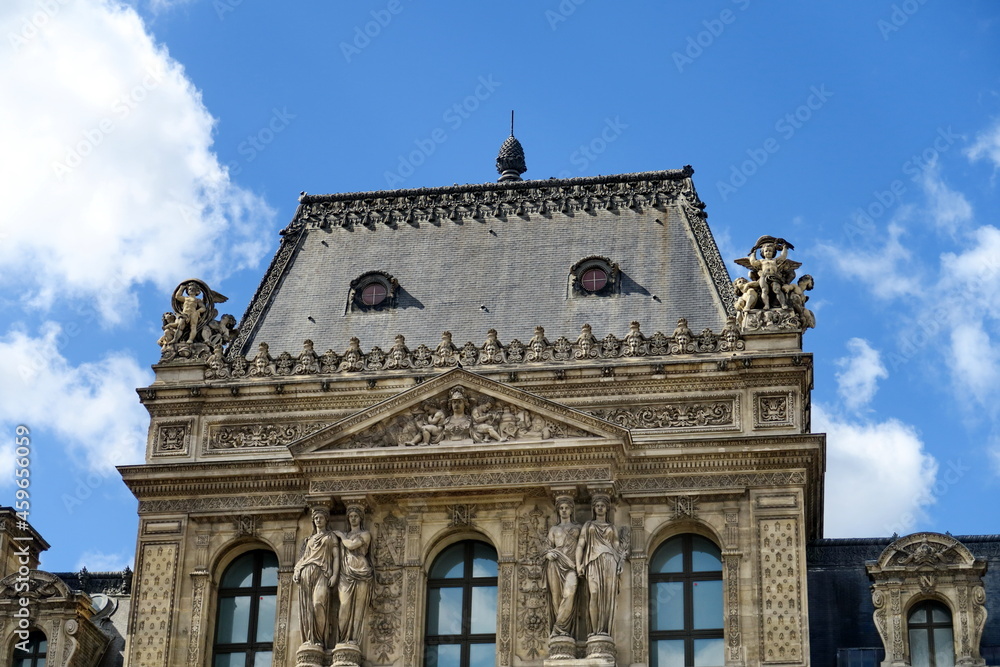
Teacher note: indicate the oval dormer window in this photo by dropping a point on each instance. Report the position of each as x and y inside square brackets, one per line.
[375, 290]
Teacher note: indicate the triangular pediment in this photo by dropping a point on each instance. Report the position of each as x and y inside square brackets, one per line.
[455, 409]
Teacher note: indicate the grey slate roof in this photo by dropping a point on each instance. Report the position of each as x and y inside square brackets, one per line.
[506, 246]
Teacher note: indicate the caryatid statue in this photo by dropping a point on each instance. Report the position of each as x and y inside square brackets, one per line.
[600, 554]
[356, 577]
[316, 573]
[560, 568]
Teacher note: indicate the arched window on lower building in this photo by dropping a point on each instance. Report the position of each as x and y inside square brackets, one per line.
[685, 595]
[34, 656]
[462, 607]
[244, 628]
[932, 640]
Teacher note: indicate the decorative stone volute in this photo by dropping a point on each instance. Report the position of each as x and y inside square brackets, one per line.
[769, 300]
[928, 566]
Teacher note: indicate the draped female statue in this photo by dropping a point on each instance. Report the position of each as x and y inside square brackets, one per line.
[599, 557]
[316, 572]
[560, 569]
[356, 574]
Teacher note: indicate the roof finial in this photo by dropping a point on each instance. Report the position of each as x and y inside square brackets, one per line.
[510, 161]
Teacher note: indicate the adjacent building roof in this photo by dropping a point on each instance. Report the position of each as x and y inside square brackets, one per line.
[469, 258]
[841, 611]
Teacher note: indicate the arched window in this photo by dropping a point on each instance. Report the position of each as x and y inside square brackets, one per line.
[462, 607]
[35, 655]
[932, 641]
[685, 596]
[244, 628]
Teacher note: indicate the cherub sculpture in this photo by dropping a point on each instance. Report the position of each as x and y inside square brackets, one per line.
[773, 270]
[192, 329]
[770, 298]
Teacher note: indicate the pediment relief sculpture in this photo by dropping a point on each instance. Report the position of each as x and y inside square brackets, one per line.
[923, 551]
[40, 585]
[771, 299]
[461, 416]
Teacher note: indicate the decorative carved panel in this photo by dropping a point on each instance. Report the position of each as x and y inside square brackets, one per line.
[229, 437]
[532, 603]
[781, 600]
[172, 439]
[283, 616]
[154, 602]
[774, 410]
[388, 555]
[199, 582]
[735, 643]
[711, 415]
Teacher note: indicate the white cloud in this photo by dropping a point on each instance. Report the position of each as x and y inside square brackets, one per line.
[111, 181]
[975, 362]
[948, 209]
[91, 407]
[862, 369]
[98, 561]
[894, 277]
[879, 478]
[987, 145]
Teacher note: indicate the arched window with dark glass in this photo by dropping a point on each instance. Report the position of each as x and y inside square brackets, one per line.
[34, 656]
[462, 607]
[685, 597]
[244, 627]
[932, 640]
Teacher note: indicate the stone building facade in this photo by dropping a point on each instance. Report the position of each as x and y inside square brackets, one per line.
[514, 423]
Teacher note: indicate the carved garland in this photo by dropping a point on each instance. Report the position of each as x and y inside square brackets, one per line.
[686, 415]
[249, 436]
[284, 614]
[199, 581]
[532, 612]
[387, 598]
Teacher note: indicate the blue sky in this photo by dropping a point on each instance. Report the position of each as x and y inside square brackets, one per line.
[149, 142]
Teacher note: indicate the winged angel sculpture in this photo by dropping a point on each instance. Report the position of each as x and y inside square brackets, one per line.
[192, 330]
[770, 299]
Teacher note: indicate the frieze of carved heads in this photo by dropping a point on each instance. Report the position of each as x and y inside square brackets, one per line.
[493, 352]
[460, 416]
[193, 328]
[771, 299]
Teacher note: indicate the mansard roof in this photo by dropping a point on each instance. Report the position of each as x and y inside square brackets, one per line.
[469, 258]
